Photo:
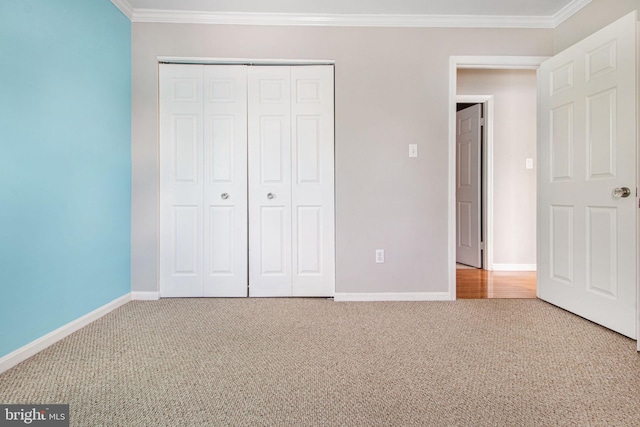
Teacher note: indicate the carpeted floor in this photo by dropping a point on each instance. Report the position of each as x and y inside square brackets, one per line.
[308, 362]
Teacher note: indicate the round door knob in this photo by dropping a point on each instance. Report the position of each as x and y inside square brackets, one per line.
[224, 196]
[271, 196]
[621, 192]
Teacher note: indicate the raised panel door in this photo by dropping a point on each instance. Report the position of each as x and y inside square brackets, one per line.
[587, 147]
[225, 177]
[269, 145]
[181, 181]
[312, 145]
[468, 184]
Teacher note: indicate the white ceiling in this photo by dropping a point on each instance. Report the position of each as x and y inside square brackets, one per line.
[474, 13]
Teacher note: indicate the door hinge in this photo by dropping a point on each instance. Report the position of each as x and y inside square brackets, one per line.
[482, 246]
[482, 121]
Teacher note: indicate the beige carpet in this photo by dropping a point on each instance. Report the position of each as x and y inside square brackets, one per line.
[308, 362]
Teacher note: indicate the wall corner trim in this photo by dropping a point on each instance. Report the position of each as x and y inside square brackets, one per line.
[145, 296]
[23, 353]
[125, 7]
[392, 296]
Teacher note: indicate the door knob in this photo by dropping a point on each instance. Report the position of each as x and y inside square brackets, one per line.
[271, 196]
[224, 196]
[621, 192]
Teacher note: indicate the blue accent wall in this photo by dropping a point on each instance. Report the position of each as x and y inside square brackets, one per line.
[65, 163]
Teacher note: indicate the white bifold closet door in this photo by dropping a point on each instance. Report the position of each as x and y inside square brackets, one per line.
[203, 181]
[227, 231]
[291, 204]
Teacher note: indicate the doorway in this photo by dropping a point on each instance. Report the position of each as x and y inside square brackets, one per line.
[577, 101]
[506, 134]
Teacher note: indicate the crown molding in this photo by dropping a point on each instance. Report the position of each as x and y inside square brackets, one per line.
[347, 20]
[568, 11]
[340, 20]
[125, 7]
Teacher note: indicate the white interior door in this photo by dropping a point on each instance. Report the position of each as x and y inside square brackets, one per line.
[203, 181]
[312, 147]
[225, 181]
[587, 148]
[468, 185]
[269, 181]
[291, 181]
[181, 181]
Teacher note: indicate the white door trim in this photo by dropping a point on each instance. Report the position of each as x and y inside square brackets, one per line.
[487, 176]
[241, 61]
[484, 62]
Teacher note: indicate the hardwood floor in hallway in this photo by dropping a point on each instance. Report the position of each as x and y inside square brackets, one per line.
[478, 284]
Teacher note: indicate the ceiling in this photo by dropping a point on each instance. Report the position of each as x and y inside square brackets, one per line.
[413, 13]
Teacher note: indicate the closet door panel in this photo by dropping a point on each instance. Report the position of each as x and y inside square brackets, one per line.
[246, 181]
[313, 181]
[225, 176]
[269, 128]
[181, 181]
[272, 236]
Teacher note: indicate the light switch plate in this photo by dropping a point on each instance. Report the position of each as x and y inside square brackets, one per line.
[413, 150]
[529, 163]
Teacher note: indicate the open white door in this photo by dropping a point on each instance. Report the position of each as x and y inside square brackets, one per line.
[468, 184]
[587, 157]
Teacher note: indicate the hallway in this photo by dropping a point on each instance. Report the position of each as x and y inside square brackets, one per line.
[478, 284]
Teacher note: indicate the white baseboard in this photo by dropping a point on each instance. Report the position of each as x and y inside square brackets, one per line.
[23, 353]
[145, 296]
[393, 296]
[514, 267]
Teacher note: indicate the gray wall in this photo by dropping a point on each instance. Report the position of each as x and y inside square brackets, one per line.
[391, 90]
[514, 98]
[597, 14]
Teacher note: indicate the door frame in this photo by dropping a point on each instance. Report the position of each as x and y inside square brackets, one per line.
[486, 176]
[474, 62]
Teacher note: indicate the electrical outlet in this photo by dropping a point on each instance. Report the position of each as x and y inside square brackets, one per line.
[413, 150]
[379, 256]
